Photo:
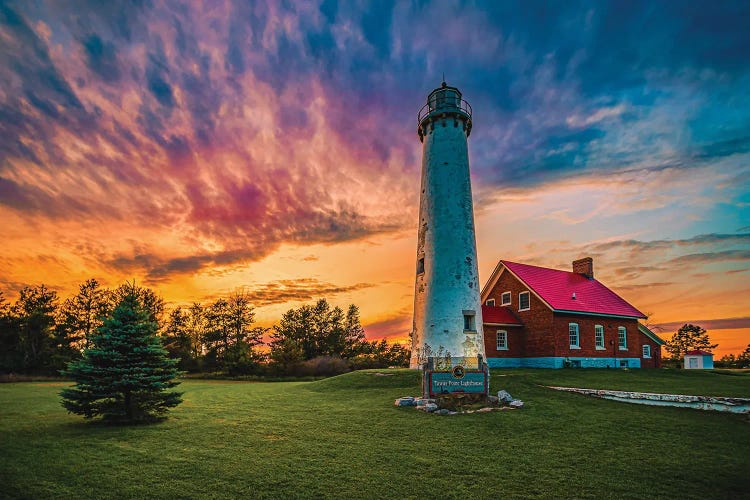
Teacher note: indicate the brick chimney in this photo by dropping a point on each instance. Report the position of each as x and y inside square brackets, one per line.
[584, 266]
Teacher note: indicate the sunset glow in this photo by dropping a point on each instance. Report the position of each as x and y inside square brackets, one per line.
[202, 147]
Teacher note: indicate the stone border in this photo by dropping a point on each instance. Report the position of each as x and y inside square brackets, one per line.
[713, 403]
[503, 401]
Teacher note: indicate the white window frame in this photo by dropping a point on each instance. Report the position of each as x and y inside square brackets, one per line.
[528, 294]
[490, 302]
[622, 338]
[574, 329]
[502, 334]
[646, 348]
[599, 337]
[502, 298]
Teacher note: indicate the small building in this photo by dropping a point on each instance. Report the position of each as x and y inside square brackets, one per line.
[546, 318]
[698, 360]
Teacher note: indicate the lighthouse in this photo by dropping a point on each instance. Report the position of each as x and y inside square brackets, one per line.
[447, 327]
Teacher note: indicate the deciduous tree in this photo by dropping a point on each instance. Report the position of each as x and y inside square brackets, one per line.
[688, 338]
[42, 347]
[82, 314]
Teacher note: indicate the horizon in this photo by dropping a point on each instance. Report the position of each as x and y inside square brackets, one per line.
[203, 149]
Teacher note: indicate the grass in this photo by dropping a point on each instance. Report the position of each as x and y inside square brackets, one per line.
[343, 438]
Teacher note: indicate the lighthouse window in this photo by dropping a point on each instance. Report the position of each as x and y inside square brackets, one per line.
[523, 301]
[420, 266]
[469, 324]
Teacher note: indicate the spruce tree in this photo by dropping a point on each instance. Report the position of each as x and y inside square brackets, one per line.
[124, 375]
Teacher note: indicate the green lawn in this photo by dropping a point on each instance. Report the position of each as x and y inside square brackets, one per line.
[342, 437]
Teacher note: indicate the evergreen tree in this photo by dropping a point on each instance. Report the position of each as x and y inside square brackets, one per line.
[743, 360]
[355, 334]
[125, 374]
[688, 338]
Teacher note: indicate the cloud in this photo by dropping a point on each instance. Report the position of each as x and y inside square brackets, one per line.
[397, 326]
[708, 324]
[710, 257]
[212, 135]
[300, 290]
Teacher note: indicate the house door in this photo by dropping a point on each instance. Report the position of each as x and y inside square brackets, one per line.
[692, 362]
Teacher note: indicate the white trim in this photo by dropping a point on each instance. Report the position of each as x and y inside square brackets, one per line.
[510, 301]
[619, 344]
[497, 340]
[499, 268]
[487, 302]
[643, 351]
[596, 345]
[519, 301]
[504, 324]
[577, 345]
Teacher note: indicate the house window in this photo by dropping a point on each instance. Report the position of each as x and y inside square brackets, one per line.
[420, 266]
[502, 340]
[599, 337]
[622, 338]
[646, 351]
[505, 299]
[490, 302]
[523, 301]
[623, 363]
[469, 324]
[573, 334]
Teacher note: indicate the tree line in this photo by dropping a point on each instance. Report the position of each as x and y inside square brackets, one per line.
[41, 334]
[691, 337]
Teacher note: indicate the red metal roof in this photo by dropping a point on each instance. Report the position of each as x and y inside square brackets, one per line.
[498, 315]
[558, 288]
[698, 352]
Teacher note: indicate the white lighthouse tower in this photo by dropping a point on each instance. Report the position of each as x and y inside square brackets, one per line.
[447, 310]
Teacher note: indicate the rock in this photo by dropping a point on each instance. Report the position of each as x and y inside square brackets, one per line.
[443, 411]
[407, 401]
[504, 396]
[429, 407]
[516, 403]
[422, 401]
[493, 400]
[484, 410]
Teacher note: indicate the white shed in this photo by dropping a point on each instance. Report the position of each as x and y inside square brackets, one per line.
[700, 360]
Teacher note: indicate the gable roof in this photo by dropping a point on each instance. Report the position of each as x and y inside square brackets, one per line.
[557, 289]
[698, 352]
[493, 315]
[648, 333]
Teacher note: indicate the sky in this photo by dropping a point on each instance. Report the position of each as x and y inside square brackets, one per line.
[203, 147]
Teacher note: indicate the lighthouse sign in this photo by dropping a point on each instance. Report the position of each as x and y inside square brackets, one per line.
[469, 382]
[468, 376]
